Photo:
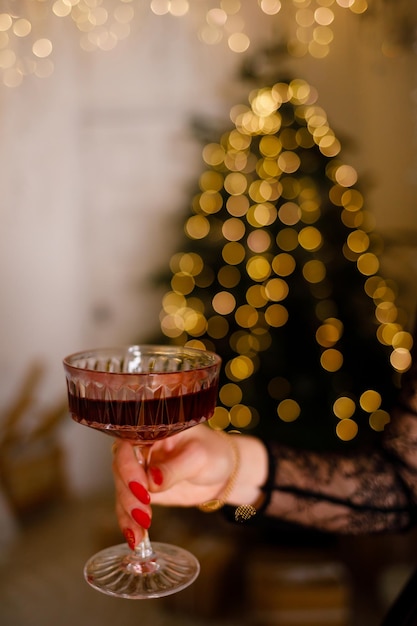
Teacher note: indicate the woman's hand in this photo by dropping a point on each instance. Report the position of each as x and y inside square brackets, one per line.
[132, 496]
[184, 470]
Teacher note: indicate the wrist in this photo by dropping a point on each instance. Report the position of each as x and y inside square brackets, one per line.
[224, 495]
[257, 498]
[244, 487]
[253, 472]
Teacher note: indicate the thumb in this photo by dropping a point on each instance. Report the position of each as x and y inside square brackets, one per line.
[173, 462]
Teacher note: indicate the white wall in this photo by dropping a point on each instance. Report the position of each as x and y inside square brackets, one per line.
[95, 166]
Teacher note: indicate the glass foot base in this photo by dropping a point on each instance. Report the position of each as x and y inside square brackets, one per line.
[117, 571]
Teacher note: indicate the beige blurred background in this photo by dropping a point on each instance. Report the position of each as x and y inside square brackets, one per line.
[96, 162]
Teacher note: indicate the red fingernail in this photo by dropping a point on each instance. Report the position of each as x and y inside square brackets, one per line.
[129, 535]
[139, 492]
[156, 474]
[141, 518]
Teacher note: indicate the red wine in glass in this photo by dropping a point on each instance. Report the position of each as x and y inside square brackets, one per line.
[151, 420]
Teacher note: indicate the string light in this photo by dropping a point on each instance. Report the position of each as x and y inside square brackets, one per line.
[27, 46]
[266, 221]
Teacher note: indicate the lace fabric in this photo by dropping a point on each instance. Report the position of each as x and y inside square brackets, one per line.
[367, 492]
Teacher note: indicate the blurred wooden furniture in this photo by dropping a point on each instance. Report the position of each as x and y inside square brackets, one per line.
[31, 457]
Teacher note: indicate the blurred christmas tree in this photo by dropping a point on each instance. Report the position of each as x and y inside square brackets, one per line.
[279, 274]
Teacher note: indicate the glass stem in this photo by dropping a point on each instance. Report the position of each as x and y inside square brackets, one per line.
[144, 549]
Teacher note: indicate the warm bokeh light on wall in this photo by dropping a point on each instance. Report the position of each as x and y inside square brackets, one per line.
[27, 46]
[261, 212]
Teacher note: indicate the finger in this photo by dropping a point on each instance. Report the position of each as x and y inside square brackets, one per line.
[131, 515]
[132, 497]
[188, 477]
[126, 464]
[182, 463]
[199, 456]
[129, 477]
[193, 467]
[132, 531]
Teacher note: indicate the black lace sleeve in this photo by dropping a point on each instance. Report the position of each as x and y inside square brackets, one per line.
[352, 493]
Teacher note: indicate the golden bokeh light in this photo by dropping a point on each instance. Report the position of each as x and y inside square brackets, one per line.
[257, 296]
[220, 419]
[258, 268]
[331, 360]
[197, 227]
[233, 229]
[346, 176]
[276, 289]
[235, 183]
[276, 315]
[270, 7]
[314, 271]
[182, 283]
[347, 429]
[260, 215]
[246, 316]
[224, 302]
[379, 419]
[229, 276]
[289, 213]
[217, 327]
[368, 264]
[210, 202]
[240, 367]
[238, 42]
[387, 332]
[287, 239]
[173, 301]
[237, 205]
[102, 24]
[288, 410]
[327, 335]
[386, 312]
[358, 241]
[370, 400]
[344, 407]
[191, 263]
[233, 253]
[402, 339]
[257, 227]
[310, 238]
[401, 359]
[259, 241]
[230, 394]
[240, 416]
[213, 154]
[283, 264]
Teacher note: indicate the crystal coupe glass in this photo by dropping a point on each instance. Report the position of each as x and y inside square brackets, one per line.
[142, 393]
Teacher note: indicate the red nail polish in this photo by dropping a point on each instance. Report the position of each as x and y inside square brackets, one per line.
[129, 535]
[156, 474]
[141, 518]
[139, 492]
